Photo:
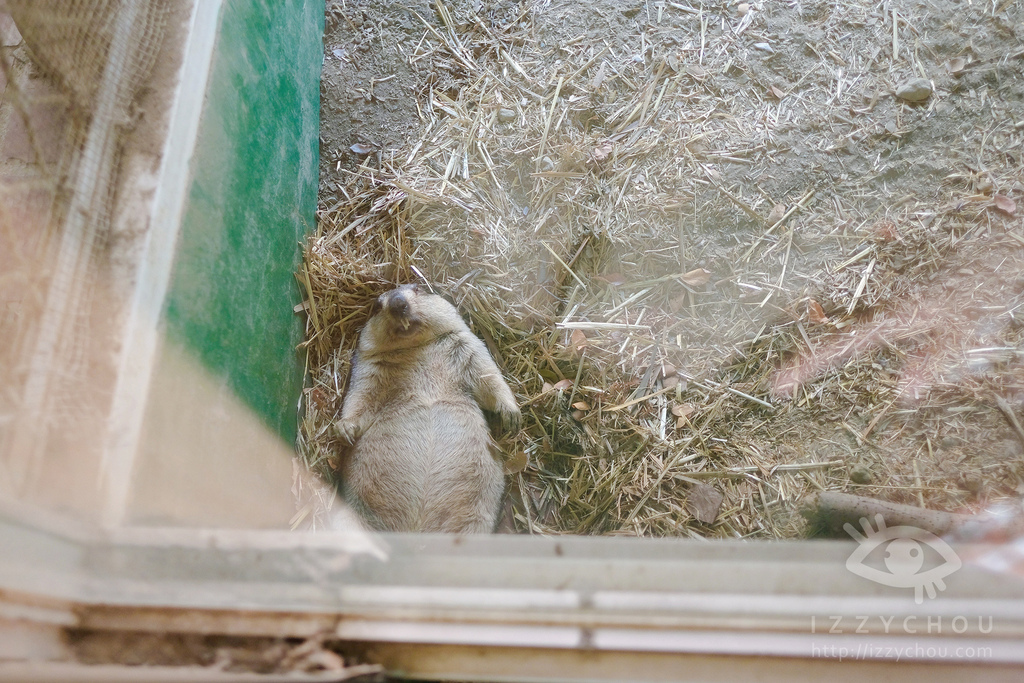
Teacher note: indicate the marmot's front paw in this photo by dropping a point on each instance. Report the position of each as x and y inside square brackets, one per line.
[511, 419]
[345, 431]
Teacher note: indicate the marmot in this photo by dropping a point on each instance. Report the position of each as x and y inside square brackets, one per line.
[420, 454]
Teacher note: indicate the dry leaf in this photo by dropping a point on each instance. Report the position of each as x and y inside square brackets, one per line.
[776, 92]
[670, 382]
[321, 660]
[581, 405]
[599, 78]
[516, 462]
[614, 279]
[697, 73]
[776, 214]
[704, 502]
[1004, 204]
[696, 278]
[360, 148]
[667, 369]
[318, 398]
[885, 231]
[562, 385]
[578, 340]
[683, 410]
[311, 656]
[815, 313]
[548, 386]
[602, 151]
[956, 65]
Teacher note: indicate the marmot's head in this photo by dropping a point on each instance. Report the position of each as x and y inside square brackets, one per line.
[407, 317]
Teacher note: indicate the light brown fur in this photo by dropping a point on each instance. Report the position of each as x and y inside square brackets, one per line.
[421, 457]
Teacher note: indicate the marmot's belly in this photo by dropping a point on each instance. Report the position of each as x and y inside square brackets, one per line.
[428, 468]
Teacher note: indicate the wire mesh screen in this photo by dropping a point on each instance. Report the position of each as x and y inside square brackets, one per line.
[71, 72]
[72, 42]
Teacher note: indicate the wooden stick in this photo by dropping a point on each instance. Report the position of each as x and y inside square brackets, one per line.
[830, 510]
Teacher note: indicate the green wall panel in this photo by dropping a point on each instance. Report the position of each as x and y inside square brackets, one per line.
[252, 199]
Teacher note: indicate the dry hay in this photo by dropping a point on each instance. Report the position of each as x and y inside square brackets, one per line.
[699, 329]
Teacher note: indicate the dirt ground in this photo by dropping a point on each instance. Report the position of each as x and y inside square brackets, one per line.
[729, 254]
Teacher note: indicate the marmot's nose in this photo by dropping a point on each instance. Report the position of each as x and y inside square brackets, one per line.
[398, 305]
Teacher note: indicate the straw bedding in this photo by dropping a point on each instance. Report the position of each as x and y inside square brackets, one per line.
[721, 258]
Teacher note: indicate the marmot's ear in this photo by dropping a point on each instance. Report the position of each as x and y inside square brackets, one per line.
[376, 306]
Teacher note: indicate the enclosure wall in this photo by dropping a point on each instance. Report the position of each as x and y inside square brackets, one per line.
[222, 409]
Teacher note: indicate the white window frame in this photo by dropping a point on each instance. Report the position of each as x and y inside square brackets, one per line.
[500, 607]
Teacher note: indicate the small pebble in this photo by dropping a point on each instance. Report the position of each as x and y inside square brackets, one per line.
[915, 90]
[506, 115]
[860, 475]
[742, 9]
[764, 47]
[971, 481]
